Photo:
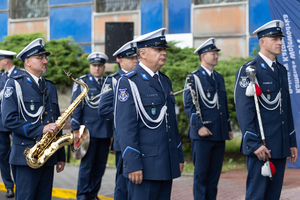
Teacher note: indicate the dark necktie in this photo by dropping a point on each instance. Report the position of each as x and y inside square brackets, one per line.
[275, 68]
[40, 85]
[156, 78]
[100, 81]
[6, 75]
[212, 75]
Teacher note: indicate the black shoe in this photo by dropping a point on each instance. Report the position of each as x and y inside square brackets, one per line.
[95, 198]
[10, 193]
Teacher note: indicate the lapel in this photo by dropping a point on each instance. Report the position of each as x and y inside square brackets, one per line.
[206, 77]
[217, 80]
[94, 82]
[150, 80]
[164, 84]
[32, 82]
[265, 67]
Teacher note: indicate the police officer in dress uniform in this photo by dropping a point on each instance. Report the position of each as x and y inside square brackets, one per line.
[210, 129]
[93, 164]
[146, 123]
[9, 70]
[29, 109]
[276, 115]
[127, 59]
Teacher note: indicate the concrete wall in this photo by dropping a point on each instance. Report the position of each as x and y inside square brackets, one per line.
[29, 26]
[227, 23]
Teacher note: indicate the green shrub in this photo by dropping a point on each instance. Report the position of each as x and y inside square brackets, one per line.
[65, 54]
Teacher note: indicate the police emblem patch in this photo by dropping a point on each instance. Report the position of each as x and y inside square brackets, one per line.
[123, 95]
[106, 87]
[32, 107]
[8, 92]
[244, 81]
[153, 110]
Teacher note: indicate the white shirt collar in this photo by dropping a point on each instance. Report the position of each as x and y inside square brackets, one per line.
[124, 70]
[267, 60]
[147, 69]
[207, 71]
[10, 71]
[97, 79]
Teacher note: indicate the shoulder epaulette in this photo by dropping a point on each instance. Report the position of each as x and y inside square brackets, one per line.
[250, 62]
[193, 72]
[83, 76]
[130, 74]
[19, 76]
[50, 81]
[114, 74]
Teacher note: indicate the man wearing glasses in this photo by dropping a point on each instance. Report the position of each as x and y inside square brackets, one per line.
[29, 110]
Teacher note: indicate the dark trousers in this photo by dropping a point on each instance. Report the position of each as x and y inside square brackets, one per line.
[33, 184]
[150, 190]
[121, 192]
[92, 168]
[4, 159]
[208, 159]
[261, 187]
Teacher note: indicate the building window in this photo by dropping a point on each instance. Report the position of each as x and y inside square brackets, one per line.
[198, 2]
[116, 5]
[21, 9]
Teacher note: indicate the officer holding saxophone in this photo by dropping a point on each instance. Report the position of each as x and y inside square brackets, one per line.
[29, 110]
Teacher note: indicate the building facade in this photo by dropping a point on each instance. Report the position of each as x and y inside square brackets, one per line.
[190, 22]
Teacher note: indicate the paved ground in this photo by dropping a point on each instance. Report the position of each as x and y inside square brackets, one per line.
[231, 185]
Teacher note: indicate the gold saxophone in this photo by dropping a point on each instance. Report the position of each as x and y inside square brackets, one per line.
[49, 144]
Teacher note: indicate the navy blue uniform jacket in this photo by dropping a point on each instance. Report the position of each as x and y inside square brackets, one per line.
[25, 132]
[15, 72]
[220, 121]
[106, 105]
[278, 127]
[158, 151]
[98, 126]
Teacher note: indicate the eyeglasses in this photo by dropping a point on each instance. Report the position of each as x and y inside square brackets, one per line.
[41, 58]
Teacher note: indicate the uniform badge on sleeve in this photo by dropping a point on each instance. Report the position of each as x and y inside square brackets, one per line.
[244, 81]
[106, 87]
[74, 87]
[123, 95]
[8, 92]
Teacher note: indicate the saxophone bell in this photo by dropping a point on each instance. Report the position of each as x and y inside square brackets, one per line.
[79, 150]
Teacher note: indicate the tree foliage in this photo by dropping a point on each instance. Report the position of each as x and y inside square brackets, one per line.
[65, 54]
[183, 61]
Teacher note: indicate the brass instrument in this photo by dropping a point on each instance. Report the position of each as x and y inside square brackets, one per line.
[49, 144]
[195, 100]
